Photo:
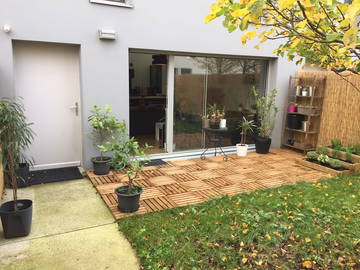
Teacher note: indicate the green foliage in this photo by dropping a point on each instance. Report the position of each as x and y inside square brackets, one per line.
[357, 149]
[322, 150]
[312, 155]
[127, 155]
[323, 158]
[104, 126]
[246, 125]
[318, 32]
[266, 112]
[279, 228]
[335, 163]
[215, 112]
[348, 154]
[16, 136]
[336, 144]
[335, 153]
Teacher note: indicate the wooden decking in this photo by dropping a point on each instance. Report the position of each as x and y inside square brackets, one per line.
[191, 181]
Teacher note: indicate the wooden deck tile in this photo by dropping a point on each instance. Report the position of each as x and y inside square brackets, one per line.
[172, 189]
[185, 182]
[161, 180]
[186, 198]
[195, 185]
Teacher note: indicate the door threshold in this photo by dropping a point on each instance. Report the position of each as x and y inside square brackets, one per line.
[196, 153]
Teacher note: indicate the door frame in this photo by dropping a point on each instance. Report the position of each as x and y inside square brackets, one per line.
[80, 162]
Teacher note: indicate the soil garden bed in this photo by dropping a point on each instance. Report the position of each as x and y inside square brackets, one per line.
[353, 165]
[324, 167]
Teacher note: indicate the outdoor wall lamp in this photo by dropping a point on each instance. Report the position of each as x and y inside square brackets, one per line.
[7, 28]
[107, 34]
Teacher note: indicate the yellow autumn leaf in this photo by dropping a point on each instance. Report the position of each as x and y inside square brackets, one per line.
[244, 260]
[307, 264]
[239, 13]
[286, 4]
[245, 231]
[209, 18]
[350, 36]
[248, 36]
[307, 239]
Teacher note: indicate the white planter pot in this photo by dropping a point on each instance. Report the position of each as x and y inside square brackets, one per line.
[223, 123]
[241, 149]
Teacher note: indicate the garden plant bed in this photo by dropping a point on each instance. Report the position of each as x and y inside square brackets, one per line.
[185, 182]
[354, 165]
[301, 226]
[323, 168]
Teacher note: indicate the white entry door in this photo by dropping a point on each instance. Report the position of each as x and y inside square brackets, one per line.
[47, 77]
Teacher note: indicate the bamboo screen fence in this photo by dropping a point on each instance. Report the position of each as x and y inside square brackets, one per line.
[340, 117]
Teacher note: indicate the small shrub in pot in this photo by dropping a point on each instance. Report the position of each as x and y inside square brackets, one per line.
[266, 111]
[215, 115]
[129, 156]
[16, 135]
[104, 126]
[245, 126]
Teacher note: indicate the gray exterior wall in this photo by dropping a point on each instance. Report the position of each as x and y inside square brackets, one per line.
[164, 25]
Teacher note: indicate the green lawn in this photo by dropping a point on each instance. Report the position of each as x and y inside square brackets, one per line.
[302, 226]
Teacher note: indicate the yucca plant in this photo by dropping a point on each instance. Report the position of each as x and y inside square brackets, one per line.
[16, 136]
[245, 125]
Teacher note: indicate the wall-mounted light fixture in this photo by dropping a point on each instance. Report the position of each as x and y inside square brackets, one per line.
[7, 28]
[107, 34]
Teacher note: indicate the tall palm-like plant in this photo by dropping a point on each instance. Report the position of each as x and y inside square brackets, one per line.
[15, 136]
[246, 125]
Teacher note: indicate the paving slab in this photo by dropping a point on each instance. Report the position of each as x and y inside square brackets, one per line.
[72, 229]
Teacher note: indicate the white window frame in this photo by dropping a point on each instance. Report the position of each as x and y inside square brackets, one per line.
[126, 4]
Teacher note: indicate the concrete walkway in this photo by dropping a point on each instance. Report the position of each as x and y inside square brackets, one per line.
[72, 229]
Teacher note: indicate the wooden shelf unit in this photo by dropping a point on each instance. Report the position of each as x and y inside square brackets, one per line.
[312, 106]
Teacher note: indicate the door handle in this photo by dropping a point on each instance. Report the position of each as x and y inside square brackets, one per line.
[76, 108]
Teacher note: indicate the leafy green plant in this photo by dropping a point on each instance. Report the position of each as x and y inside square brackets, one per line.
[312, 155]
[245, 125]
[215, 112]
[16, 136]
[336, 144]
[104, 126]
[323, 158]
[127, 155]
[335, 153]
[348, 154]
[357, 149]
[322, 150]
[266, 112]
[335, 163]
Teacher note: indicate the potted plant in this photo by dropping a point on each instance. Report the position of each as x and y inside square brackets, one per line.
[205, 121]
[104, 125]
[266, 111]
[129, 156]
[216, 115]
[15, 136]
[242, 147]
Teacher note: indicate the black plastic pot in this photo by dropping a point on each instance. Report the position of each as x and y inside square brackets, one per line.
[294, 120]
[128, 203]
[262, 145]
[22, 176]
[101, 165]
[16, 224]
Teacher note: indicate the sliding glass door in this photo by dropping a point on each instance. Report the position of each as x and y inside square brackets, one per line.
[203, 81]
[189, 102]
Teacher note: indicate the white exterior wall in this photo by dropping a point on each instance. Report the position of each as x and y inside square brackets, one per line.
[161, 25]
